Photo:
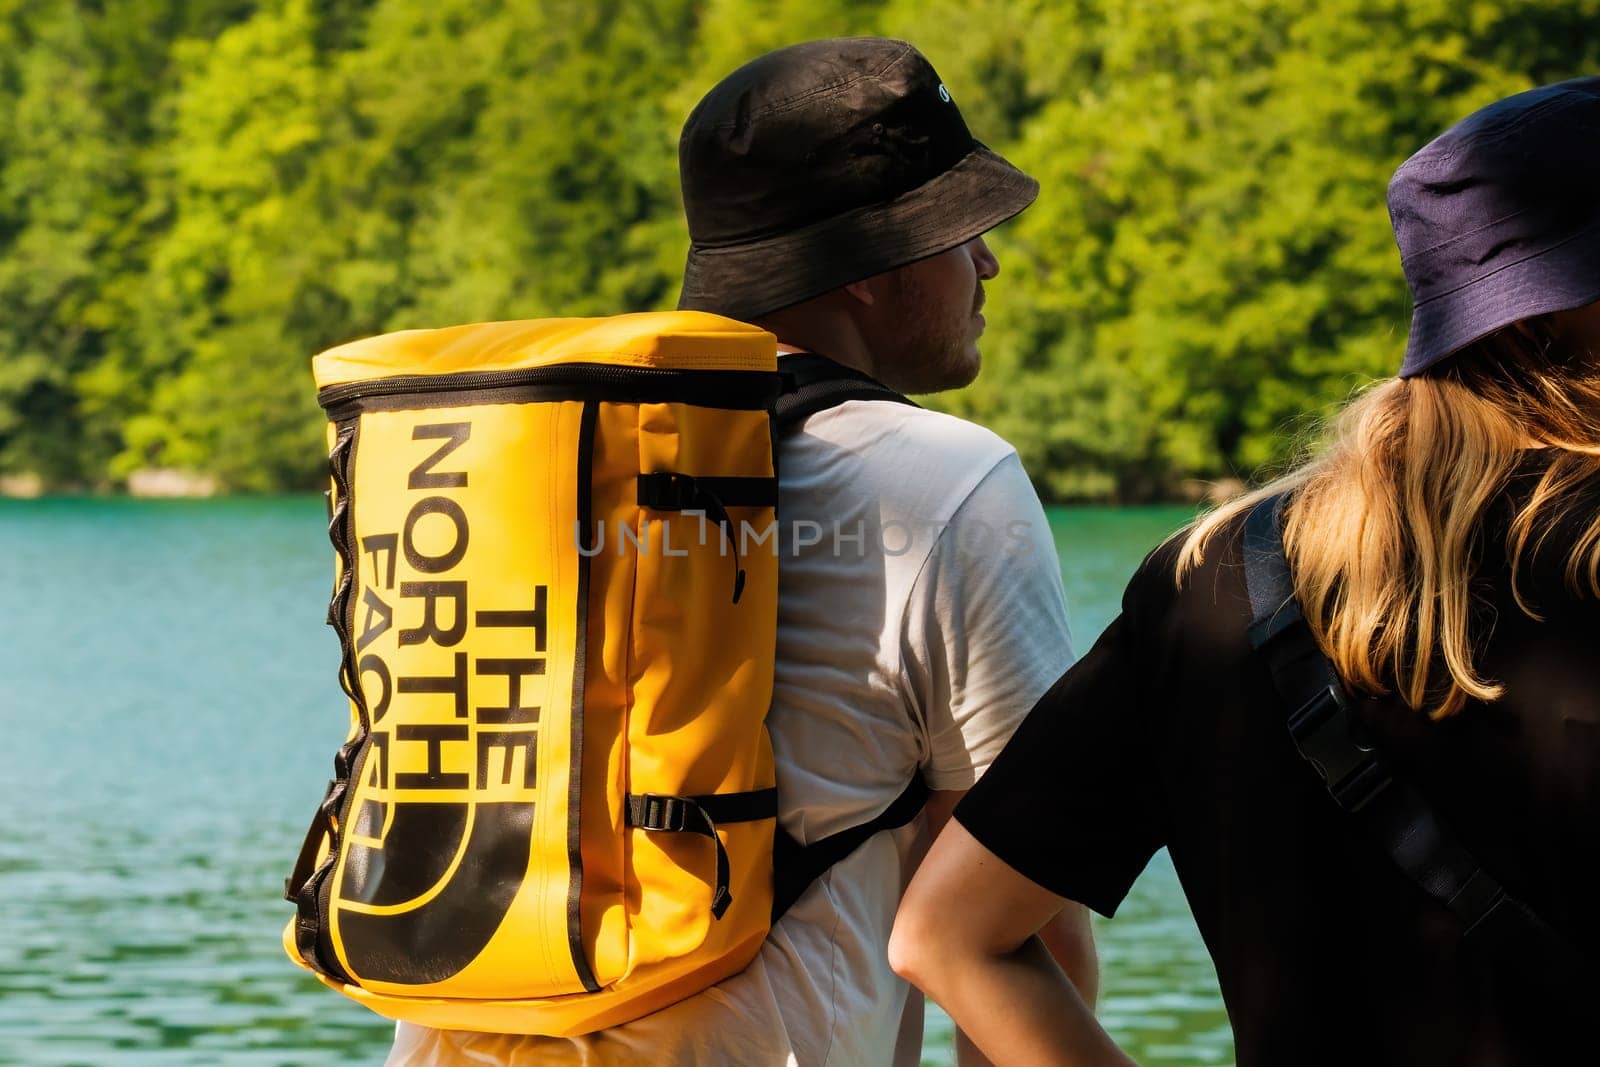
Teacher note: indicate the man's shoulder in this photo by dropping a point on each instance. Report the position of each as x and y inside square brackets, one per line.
[901, 462]
[911, 448]
[922, 421]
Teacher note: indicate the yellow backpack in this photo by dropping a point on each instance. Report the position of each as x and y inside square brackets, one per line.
[556, 594]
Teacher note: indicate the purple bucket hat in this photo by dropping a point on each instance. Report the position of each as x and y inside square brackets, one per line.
[1498, 219]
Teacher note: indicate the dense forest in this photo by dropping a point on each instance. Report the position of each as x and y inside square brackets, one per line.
[197, 195]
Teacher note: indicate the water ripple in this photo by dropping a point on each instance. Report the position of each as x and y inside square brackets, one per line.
[191, 720]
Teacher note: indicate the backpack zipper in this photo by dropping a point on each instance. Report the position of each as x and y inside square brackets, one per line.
[741, 389]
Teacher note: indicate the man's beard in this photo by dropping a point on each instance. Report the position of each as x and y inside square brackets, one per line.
[926, 348]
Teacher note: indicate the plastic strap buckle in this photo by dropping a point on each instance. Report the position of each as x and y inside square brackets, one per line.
[668, 491]
[665, 813]
[1323, 730]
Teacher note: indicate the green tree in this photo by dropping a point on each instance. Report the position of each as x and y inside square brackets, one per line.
[216, 312]
[64, 188]
[196, 195]
[1211, 257]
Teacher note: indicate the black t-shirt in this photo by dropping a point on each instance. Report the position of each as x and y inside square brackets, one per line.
[1169, 733]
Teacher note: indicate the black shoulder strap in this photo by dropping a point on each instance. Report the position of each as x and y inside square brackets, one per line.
[1323, 725]
[796, 866]
[813, 383]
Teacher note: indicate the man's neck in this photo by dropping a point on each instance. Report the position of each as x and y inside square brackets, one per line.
[820, 330]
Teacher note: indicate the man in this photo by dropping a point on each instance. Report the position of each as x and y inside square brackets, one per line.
[836, 197]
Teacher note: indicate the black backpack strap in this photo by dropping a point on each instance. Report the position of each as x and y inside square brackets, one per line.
[813, 383]
[1326, 732]
[796, 866]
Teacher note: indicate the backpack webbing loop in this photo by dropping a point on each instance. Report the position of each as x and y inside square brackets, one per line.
[700, 815]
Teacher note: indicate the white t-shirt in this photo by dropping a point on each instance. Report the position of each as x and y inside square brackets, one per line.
[920, 617]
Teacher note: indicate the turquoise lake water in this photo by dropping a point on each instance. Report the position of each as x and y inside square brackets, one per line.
[168, 714]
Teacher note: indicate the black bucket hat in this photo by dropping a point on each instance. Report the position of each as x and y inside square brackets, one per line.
[825, 163]
[1498, 218]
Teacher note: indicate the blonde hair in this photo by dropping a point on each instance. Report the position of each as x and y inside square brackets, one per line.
[1383, 530]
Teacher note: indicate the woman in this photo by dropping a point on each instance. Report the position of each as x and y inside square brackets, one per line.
[1445, 552]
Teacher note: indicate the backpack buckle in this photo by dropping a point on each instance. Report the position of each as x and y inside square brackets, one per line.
[670, 814]
[1325, 731]
[667, 491]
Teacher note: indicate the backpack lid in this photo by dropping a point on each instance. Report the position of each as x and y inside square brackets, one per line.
[661, 340]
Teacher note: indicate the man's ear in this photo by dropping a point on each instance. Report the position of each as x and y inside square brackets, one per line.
[862, 291]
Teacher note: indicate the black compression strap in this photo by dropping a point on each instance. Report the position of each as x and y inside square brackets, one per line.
[796, 866]
[712, 497]
[1326, 732]
[700, 815]
[753, 806]
[813, 383]
[671, 491]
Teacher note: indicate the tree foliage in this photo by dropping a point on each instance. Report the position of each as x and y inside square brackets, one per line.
[196, 195]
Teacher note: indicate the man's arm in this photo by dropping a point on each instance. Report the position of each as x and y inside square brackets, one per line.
[1067, 937]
